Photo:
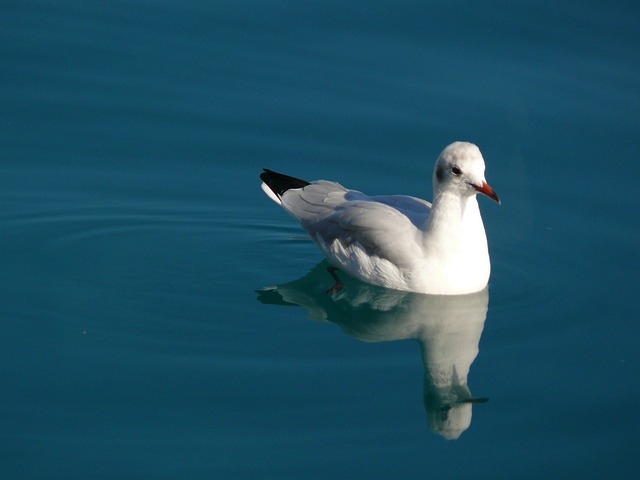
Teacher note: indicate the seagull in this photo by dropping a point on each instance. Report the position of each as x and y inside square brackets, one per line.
[397, 241]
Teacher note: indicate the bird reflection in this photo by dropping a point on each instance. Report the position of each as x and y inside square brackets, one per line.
[448, 329]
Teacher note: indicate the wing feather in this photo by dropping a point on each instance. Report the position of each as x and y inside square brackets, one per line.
[385, 226]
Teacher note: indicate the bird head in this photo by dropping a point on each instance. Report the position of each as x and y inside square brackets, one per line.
[460, 169]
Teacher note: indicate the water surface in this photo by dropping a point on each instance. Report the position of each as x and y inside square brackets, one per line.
[160, 317]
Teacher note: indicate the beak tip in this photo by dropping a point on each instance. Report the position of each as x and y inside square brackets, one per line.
[486, 189]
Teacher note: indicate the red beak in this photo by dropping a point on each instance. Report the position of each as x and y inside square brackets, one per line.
[486, 189]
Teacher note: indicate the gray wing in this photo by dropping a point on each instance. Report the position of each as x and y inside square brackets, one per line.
[386, 226]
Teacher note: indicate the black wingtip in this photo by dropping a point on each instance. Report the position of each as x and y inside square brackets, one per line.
[280, 183]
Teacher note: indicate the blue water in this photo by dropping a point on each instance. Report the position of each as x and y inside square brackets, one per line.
[161, 318]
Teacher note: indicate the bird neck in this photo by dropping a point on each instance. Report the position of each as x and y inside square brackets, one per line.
[455, 221]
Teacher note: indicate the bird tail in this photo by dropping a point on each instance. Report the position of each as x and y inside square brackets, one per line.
[275, 184]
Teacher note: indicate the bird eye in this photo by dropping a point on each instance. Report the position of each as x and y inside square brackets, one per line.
[456, 171]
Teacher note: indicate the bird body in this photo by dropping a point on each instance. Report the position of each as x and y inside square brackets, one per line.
[398, 241]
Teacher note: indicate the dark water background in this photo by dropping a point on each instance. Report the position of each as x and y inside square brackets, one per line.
[137, 336]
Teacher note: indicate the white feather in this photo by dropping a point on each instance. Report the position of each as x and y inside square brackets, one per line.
[270, 193]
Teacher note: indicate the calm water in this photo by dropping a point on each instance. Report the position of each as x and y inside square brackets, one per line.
[160, 318]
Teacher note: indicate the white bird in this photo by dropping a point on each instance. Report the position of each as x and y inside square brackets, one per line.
[397, 241]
